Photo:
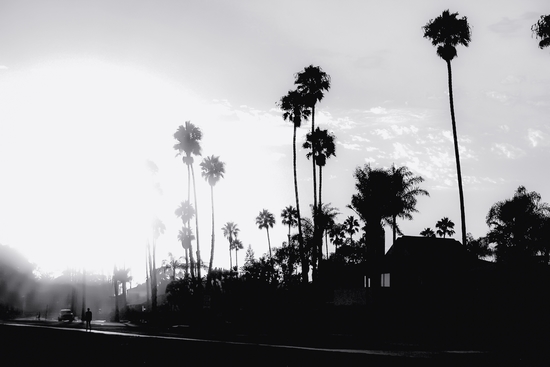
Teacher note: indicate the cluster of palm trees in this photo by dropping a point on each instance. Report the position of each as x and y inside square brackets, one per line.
[188, 145]
[445, 227]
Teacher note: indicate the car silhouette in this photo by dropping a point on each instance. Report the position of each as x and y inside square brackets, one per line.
[66, 315]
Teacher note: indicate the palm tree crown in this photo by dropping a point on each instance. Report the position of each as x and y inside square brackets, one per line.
[312, 82]
[188, 137]
[446, 32]
[212, 169]
[294, 108]
[427, 232]
[230, 231]
[266, 220]
[541, 30]
[445, 227]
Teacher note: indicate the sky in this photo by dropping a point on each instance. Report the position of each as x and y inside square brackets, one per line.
[91, 90]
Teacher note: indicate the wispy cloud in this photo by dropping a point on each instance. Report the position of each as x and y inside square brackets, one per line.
[537, 137]
[3, 67]
[507, 150]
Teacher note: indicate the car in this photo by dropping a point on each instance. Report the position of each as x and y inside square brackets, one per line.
[66, 315]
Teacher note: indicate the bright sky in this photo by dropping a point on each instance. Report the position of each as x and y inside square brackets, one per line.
[90, 90]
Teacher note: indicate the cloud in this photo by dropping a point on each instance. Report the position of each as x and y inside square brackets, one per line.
[500, 97]
[400, 130]
[507, 150]
[512, 79]
[383, 133]
[3, 67]
[537, 137]
[378, 110]
[506, 26]
[349, 146]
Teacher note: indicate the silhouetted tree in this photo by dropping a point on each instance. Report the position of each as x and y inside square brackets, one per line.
[428, 232]
[158, 229]
[295, 110]
[186, 236]
[478, 247]
[446, 32]
[189, 137]
[266, 220]
[327, 214]
[337, 235]
[289, 217]
[230, 231]
[372, 203]
[172, 264]
[445, 227]
[186, 212]
[519, 227]
[237, 245]
[212, 170]
[541, 30]
[405, 190]
[351, 226]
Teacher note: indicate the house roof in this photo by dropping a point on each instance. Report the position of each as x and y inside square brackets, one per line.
[427, 249]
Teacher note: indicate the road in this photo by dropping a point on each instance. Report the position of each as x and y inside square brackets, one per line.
[62, 344]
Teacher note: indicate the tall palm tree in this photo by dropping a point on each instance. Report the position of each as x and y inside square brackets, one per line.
[327, 214]
[312, 83]
[289, 217]
[445, 227]
[122, 276]
[321, 143]
[158, 229]
[295, 110]
[351, 226]
[405, 189]
[237, 245]
[212, 171]
[186, 212]
[266, 220]
[541, 30]
[446, 32]
[185, 236]
[427, 232]
[230, 231]
[189, 137]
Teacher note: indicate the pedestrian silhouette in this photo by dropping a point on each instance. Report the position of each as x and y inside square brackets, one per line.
[88, 317]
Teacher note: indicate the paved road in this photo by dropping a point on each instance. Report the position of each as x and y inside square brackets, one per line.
[58, 344]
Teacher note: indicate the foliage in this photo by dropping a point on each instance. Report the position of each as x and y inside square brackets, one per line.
[445, 227]
[479, 247]
[519, 227]
[266, 220]
[188, 138]
[321, 144]
[541, 30]
[446, 32]
[427, 232]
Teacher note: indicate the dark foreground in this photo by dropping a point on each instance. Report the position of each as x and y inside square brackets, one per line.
[30, 345]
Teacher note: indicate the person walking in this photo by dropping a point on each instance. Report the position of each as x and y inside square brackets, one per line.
[88, 317]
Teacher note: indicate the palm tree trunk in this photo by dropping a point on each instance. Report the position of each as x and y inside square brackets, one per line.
[268, 243]
[186, 262]
[320, 230]
[197, 226]
[115, 283]
[230, 254]
[236, 260]
[305, 268]
[314, 253]
[212, 245]
[457, 156]
[147, 275]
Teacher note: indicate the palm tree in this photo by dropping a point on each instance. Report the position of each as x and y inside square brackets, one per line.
[266, 220]
[212, 171]
[186, 212]
[289, 217]
[115, 286]
[185, 236]
[446, 32]
[321, 143]
[428, 232]
[351, 226]
[405, 189]
[172, 264]
[541, 30]
[158, 229]
[230, 231]
[189, 137]
[336, 234]
[445, 227]
[295, 110]
[327, 214]
[312, 83]
[237, 245]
